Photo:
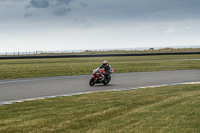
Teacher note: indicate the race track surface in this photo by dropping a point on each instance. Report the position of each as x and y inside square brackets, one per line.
[51, 86]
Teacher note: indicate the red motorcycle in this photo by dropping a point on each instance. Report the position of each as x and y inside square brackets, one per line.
[99, 78]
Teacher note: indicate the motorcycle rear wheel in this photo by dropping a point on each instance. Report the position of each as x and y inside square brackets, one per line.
[109, 79]
[105, 82]
[92, 83]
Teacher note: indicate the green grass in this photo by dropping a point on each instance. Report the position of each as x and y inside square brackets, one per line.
[28, 68]
[174, 109]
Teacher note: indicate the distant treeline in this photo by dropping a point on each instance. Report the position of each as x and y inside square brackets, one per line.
[96, 55]
[80, 52]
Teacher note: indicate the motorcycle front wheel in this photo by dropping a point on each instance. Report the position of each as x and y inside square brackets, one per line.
[92, 83]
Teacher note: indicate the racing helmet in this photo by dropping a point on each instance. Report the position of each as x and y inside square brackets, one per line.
[105, 62]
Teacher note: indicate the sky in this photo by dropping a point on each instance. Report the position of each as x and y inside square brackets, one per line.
[49, 25]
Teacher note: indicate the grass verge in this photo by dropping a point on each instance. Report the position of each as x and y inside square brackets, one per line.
[28, 68]
[163, 109]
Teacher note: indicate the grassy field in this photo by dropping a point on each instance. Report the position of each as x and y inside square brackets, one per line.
[164, 109]
[174, 109]
[28, 68]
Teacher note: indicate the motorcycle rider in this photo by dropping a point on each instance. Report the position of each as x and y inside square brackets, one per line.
[107, 68]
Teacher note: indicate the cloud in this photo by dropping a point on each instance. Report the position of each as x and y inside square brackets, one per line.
[103, 10]
[40, 3]
[62, 7]
[170, 30]
[187, 28]
[83, 4]
[47, 3]
[27, 15]
[53, 7]
[61, 2]
[61, 11]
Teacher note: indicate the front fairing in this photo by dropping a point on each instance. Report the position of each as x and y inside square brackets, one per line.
[98, 75]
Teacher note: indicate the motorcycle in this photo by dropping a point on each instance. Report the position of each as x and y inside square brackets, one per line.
[99, 78]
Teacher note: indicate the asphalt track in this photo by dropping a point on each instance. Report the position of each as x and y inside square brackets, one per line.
[53, 86]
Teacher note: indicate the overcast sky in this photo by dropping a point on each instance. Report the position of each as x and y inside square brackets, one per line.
[30, 25]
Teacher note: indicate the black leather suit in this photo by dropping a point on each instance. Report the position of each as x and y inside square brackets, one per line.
[107, 69]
